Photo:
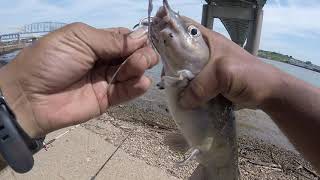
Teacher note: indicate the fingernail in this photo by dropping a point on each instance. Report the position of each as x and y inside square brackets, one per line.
[139, 33]
[148, 60]
[151, 80]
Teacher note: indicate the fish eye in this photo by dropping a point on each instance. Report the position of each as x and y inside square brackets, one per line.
[193, 31]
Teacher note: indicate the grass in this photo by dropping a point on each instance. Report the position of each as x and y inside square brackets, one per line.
[274, 56]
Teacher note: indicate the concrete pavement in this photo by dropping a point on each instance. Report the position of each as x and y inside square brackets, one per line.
[79, 155]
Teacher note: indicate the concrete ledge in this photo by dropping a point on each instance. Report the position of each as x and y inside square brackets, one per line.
[79, 155]
[124, 167]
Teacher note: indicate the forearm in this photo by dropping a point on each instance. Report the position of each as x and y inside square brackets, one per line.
[295, 107]
[17, 100]
[18, 103]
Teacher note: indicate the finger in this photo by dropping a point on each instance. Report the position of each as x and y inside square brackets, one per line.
[109, 44]
[119, 30]
[114, 44]
[112, 70]
[137, 64]
[202, 89]
[128, 90]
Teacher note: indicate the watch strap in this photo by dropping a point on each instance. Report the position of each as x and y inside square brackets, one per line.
[13, 147]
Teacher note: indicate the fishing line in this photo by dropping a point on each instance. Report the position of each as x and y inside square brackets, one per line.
[110, 157]
[50, 142]
[141, 24]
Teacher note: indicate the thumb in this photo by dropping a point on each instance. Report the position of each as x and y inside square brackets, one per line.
[111, 44]
[116, 44]
[200, 90]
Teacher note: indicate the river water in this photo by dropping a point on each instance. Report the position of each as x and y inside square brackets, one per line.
[305, 74]
[301, 73]
[6, 58]
[309, 76]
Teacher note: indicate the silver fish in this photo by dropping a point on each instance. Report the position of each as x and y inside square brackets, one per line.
[209, 129]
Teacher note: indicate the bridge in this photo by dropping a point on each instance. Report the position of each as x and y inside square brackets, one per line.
[31, 30]
[242, 19]
[28, 33]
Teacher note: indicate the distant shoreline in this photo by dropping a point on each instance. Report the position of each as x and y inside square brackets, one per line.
[288, 60]
[274, 56]
[315, 69]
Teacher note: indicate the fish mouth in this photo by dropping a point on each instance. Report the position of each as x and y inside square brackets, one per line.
[166, 4]
[165, 18]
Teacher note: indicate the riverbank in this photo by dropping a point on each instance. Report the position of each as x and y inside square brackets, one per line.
[144, 152]
[264, 153]
[6, 49]
[288, 59]
[6, 58]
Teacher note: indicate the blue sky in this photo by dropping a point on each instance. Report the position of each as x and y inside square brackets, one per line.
[290, 26]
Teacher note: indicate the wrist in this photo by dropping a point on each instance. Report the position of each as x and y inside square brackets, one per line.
[18, 101]
[279, 88]
[267, 82]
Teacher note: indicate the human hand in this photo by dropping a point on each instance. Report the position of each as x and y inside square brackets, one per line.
[293, 104]
[64, 78]
[232, 72]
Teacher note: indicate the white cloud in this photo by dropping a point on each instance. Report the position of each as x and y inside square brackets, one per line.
[292, 28]
[292, 20]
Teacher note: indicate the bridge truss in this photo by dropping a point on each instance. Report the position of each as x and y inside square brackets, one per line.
[32, 30]
[241, 18]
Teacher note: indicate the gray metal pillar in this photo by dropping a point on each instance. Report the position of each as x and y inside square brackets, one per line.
[33, 40]
[253, 15]
[18, 38]
[254, 35]
[207, 19]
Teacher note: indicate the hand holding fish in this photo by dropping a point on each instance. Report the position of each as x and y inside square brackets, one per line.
[232, 72]
[64, 78]
[243, 79]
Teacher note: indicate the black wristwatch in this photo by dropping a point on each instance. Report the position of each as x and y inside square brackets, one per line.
[16, 147]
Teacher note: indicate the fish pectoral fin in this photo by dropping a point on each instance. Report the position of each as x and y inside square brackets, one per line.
[174, 82]
[185, 74]
[191, 155]
[170, 81]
